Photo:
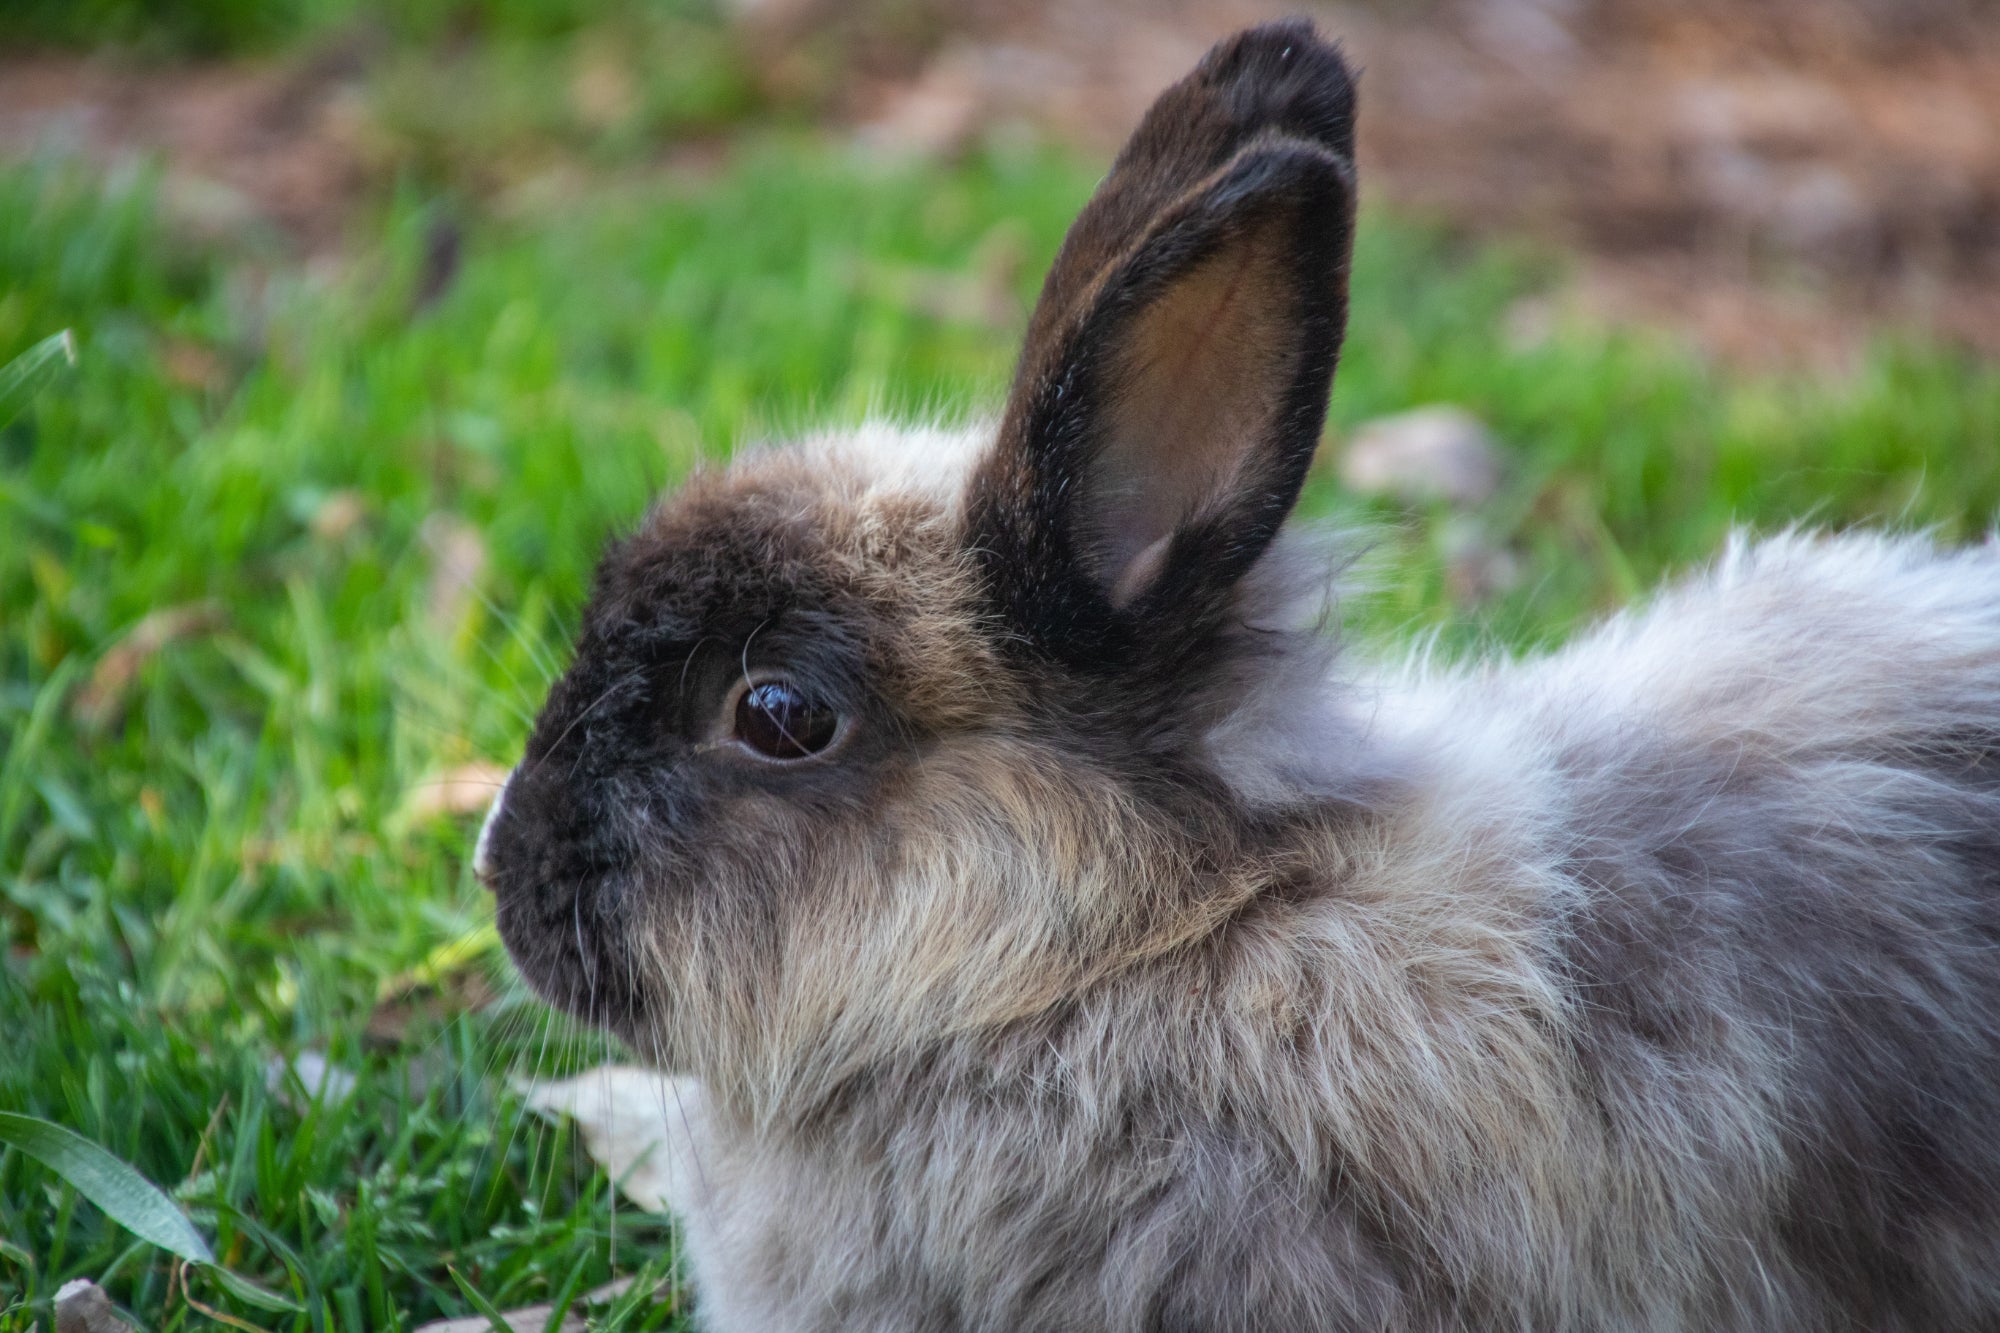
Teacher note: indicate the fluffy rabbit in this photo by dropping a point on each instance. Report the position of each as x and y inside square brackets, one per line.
[1048, 932]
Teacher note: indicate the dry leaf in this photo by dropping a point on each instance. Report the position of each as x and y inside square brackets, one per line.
[602, 91]
[338, 515]
[465, 790]
[630, 1119]
[534, 1318]
[527, 1319]
[99, 701]
[424, 1008]
[192, 365]
[935, 116]
[1477, 568]
[458, 558]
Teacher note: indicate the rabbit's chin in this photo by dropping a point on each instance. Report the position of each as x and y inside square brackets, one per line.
[579, 969]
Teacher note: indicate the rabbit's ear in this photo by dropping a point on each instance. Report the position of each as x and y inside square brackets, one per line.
[1176, 373]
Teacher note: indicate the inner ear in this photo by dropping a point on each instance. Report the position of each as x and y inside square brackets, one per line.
[1192, 388]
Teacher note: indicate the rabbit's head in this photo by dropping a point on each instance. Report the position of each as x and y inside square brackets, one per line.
[893, 735]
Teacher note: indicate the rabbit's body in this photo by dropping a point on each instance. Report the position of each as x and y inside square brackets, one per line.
[1053, 936]
[1650, 985]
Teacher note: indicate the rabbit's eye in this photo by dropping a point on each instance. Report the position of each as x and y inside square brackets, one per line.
[779, 721]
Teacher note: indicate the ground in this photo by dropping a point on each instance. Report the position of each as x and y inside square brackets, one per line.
[1780, 180]
[410, 316]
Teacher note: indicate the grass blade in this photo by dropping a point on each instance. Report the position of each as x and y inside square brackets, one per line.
[479, 1302]
[24, 375]
[127, 1198]
[250, 1293]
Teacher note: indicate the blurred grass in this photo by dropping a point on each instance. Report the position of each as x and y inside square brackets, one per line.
[235, 657]
[242, 27]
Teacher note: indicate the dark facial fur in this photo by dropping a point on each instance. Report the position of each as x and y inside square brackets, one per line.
[1128, 961]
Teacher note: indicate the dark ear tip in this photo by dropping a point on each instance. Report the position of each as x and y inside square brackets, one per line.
[1286, 77]
[1285, 166]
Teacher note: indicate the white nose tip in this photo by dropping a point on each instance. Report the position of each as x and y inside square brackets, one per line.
[482, 859]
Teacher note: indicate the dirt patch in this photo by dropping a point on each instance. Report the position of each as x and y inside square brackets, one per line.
[1782, 179]
[1779, 187]
[277, 144]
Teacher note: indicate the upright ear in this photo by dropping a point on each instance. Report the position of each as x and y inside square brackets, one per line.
[1176, 372]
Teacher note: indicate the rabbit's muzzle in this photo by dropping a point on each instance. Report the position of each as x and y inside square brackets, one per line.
[562, 896]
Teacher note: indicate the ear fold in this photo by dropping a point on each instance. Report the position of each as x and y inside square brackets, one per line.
[1177, 368]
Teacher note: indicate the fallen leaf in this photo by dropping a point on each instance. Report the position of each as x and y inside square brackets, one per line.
[535, 1318]
[337, 515]
[602, 90]
[98, 703]
[628, 1118]
[465, 790]
[527, 1319]
[192, 365]
[458, 558]
[934, 117]
[424, 1008]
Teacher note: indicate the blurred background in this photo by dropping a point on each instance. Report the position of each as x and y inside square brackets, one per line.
[337, 335]
[1775, 177]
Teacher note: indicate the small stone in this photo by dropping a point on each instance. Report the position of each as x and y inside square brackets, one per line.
[1477, 568]
[82, 1307]
[1430, 453]
[319, 1078]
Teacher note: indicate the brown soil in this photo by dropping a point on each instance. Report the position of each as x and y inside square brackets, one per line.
[1780, 178]
[245, 145]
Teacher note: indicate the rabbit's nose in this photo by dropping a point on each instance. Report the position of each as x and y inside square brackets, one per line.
[482, 851]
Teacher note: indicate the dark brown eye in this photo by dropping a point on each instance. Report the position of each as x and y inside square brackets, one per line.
[778, 721]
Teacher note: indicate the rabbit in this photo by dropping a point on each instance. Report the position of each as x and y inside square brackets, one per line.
[1047, 926]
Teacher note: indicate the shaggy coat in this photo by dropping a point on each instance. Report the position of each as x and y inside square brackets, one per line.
[1049, 931]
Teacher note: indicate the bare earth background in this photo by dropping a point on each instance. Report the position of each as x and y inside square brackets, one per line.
[1778, 178]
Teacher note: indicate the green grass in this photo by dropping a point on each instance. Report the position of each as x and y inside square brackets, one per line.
[237, 27]
[224, 859]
